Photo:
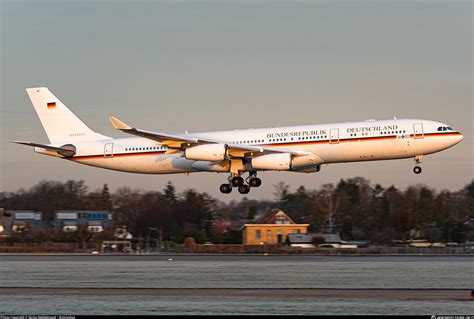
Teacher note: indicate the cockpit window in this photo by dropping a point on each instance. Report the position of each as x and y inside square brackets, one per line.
[445, 128]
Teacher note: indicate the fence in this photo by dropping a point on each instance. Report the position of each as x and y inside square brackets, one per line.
[53, 247]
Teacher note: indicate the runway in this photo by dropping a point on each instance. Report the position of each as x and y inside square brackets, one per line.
[236, 284]
[288, 293]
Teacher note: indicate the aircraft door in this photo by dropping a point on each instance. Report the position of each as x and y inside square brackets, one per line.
[418, 130]
[334, 136]
[109, 150]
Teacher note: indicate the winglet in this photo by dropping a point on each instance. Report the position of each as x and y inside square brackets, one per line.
[119, 125]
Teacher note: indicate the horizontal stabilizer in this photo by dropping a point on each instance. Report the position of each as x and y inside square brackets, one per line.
[67, 150]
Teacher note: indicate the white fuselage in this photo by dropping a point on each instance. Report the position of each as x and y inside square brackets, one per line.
[330, 143]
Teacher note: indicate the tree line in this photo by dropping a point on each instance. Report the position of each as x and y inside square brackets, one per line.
[353, 207]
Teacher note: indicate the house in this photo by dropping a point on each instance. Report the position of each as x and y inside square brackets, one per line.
[72, 220]
[272, 228]
[19, 221]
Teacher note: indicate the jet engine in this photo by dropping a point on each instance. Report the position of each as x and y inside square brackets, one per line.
[274, 162]
[207, 152]
[285, 162]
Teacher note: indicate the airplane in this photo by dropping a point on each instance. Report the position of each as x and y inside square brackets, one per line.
[301, 149]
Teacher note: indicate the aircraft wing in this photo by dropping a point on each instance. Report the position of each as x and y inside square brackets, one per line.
[182, 142]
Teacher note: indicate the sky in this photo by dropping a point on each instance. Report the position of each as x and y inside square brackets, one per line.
[171, 66]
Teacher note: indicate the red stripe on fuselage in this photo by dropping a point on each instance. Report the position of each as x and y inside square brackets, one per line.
[115, 155]
[335, 141]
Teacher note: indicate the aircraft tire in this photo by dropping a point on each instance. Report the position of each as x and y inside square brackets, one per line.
[244, 189]
[237, 181]
[255, 182]
[225, 188]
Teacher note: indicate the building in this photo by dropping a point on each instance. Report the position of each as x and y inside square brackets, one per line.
[19, 222]
[95, 221]
[273, 228]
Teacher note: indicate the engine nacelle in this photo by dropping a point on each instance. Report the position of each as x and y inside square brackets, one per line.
[207, 152]
[305, 161]
[285, 161]
[307, 169]
[274, 162]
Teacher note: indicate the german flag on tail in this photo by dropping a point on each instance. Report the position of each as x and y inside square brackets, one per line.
[51, 105]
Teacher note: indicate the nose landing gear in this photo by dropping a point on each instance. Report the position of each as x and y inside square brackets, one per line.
[417, 169]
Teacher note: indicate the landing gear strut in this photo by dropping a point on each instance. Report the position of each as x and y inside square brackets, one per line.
[417, 169]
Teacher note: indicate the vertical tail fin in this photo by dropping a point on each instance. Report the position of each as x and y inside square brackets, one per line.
[60, 124]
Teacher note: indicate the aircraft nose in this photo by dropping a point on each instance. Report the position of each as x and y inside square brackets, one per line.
[458, 138]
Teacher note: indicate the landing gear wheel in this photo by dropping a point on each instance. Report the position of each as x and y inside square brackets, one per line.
[417, 169]
[244, 189]
[255, 182]
[225, 188]
[237, 181]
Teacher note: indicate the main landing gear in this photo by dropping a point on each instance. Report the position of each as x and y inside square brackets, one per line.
[239, 182]
[417, 169]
